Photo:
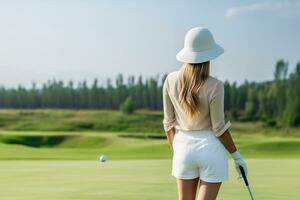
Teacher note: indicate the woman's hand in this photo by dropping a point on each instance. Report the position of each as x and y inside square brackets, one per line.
[170, 137]
[239, 161]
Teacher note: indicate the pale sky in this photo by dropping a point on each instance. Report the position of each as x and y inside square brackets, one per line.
[82, 40]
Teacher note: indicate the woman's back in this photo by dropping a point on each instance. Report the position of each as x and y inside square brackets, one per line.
[193, 104]
[211, 98]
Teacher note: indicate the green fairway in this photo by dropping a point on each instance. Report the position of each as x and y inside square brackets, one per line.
[53, 154]
[20, 145]
[135, 180]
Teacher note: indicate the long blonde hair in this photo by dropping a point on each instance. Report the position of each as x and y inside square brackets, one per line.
[192, 78]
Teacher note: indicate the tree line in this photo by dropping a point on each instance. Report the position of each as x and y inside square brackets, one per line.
[277, 101]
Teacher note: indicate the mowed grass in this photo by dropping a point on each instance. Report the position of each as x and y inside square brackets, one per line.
[85, 134]
[17, 145]
[53, 154]
[274, 179]
[78, 146]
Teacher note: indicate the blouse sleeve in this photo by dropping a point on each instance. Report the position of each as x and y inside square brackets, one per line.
[217, 110]
[169, 115]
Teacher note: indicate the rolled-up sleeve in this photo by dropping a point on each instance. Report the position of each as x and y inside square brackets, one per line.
[169, 115]
[217, 110]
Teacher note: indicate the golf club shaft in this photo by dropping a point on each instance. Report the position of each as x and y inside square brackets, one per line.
[246, 182]
[250, 192]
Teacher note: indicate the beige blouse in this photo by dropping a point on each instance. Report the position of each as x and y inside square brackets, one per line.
[211, 115]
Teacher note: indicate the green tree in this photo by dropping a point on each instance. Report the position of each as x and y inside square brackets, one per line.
[291, 116]
[128, 106]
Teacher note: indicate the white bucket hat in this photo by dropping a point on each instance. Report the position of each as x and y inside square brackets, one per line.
[199, 46]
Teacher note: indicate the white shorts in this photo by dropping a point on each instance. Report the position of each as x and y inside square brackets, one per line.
[199, 154]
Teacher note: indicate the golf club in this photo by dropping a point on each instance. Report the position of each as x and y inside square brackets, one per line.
[246, 182]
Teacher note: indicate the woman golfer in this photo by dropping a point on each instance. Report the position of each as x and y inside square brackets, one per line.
[193, 103]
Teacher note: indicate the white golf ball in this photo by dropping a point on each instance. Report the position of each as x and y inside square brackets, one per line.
[103, 158]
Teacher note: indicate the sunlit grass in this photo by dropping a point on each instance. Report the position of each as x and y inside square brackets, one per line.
[274, 179]
[89, 145]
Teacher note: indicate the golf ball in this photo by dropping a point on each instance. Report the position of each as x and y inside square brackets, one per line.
[103, 158]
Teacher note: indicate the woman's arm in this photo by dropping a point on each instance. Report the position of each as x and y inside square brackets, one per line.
[221, 128]
[227, 141]
[169, 114]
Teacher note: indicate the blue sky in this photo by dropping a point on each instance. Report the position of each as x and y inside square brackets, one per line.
[87, 39]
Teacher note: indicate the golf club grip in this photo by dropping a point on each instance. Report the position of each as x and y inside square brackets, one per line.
[244, 175]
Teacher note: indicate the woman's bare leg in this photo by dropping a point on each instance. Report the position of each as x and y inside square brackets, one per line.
[187, 189]
[208, 191]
